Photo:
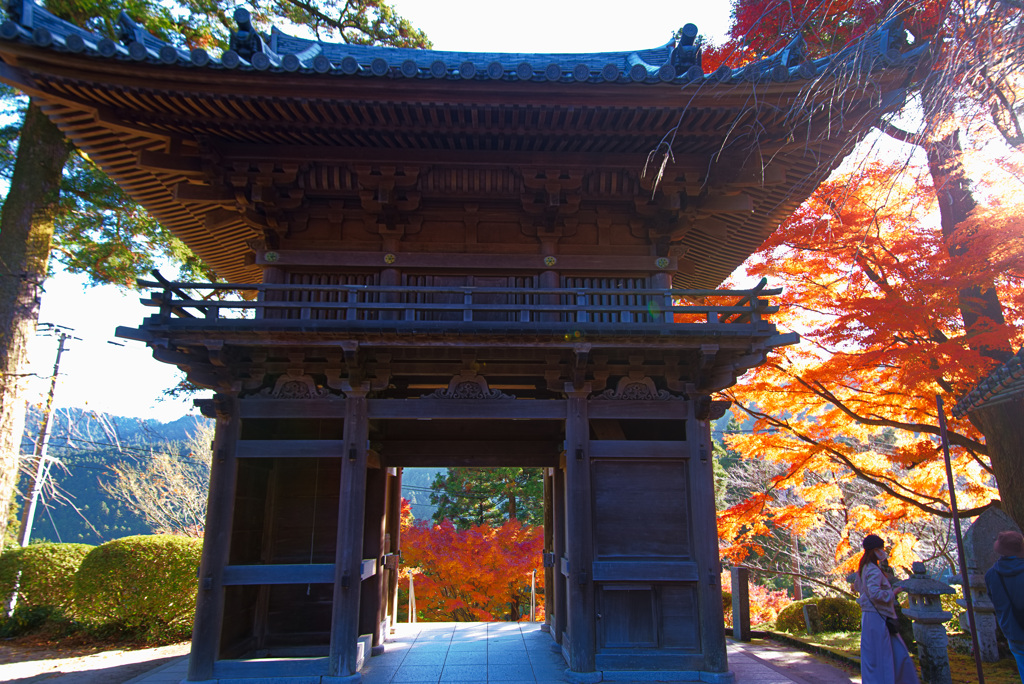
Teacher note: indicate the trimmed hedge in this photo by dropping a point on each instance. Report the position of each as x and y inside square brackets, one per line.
[791, 618]
[839, 614]
[144, 586]
[836, 615]
[47, 575]
[45, 596]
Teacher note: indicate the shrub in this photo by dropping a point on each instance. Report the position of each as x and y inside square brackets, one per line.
[143, 586]
[835, 614]
[791, 618]
[838, 614]
[47, 574]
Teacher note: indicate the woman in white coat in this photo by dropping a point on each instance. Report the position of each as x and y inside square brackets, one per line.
[883, 655]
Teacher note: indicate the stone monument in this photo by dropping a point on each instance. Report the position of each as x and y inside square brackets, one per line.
[978, 541]
[925, 609]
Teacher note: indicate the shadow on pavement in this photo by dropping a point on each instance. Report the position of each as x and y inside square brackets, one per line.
[115, 674]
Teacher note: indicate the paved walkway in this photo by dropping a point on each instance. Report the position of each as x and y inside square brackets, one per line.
[520, 653]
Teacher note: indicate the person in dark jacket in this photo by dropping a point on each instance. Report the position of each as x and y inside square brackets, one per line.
[1005, 582]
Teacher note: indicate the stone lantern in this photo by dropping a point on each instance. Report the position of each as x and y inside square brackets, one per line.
[925, 609]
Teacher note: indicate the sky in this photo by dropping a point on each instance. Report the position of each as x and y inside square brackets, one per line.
[127, 381]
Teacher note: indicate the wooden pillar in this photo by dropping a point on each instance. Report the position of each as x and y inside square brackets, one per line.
[549, 549]
[663, 281]
[206, 630]
[390, 277]
[705, 539]
[579, 537]
[272, 275]
[395, 529]
[343, 660]
[558, 605]
[740, 604]
[549, 280]
[373, 544]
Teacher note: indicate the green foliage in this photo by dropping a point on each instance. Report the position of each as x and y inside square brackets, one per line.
[362, 22]
[950, 604]
[720, 475]
[10, 538]
[791, 618]
[836, 615]
[47, 573]
[32, 620]
[44, 584]
[839, 614]
[142, 586]
[101, 232]
[724, 458]
[478, 496]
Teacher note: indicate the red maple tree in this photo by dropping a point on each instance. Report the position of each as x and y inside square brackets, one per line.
[479, 574]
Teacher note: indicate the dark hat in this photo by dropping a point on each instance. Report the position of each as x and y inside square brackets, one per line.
[1009, 543]
[872, 541]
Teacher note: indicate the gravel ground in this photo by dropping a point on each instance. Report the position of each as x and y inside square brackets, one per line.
[23, 663]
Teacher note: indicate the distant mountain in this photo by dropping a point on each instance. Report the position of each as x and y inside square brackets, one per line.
[416, 488]
[86, 444]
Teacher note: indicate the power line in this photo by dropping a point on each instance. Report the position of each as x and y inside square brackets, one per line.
[71, 443]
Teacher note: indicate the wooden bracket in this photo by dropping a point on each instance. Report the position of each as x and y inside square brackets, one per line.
[223, 407]
[354, 370]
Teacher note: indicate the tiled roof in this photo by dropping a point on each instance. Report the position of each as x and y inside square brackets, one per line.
[1002, 384]
[747, 145]
[281, 52]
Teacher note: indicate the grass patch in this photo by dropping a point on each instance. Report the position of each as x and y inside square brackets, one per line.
[962, 667]
[845, 643]
[964, 670]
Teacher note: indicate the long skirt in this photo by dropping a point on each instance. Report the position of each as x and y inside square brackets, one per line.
[883, 657]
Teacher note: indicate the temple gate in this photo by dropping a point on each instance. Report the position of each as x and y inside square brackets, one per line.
[438, 258]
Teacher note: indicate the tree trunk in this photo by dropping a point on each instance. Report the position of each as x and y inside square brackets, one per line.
[798, 585]
[1004, 435]
[26, 227]
[979, 305]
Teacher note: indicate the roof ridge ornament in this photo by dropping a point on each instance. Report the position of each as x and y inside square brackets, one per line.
[249, 44]
[15, 10]
[687, 52]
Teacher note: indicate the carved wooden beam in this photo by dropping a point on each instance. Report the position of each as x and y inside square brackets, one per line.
[176, 164]
[432, 453]
[191, 193]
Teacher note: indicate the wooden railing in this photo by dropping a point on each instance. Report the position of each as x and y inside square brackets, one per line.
[359, 306]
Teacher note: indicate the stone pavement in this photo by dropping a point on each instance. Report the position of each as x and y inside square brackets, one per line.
[520, 653]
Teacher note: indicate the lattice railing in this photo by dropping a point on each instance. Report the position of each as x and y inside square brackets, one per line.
[341, 305]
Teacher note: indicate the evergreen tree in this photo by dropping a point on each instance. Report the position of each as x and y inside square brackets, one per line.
[477, 496]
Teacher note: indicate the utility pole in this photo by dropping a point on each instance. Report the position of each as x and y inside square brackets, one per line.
[42, 443]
